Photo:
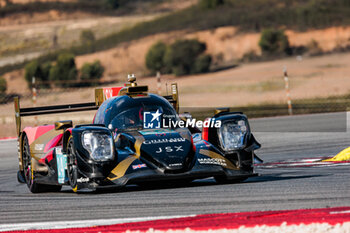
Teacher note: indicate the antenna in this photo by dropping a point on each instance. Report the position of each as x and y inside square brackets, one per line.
[132, 80]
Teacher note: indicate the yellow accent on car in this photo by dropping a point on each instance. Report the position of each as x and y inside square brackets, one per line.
[344, 155]
[138, 144]
[121, 168]
[215, 155]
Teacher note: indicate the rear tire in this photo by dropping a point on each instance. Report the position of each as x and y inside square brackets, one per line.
[29, 174]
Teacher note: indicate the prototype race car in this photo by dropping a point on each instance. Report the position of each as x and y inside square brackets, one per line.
[136, 137]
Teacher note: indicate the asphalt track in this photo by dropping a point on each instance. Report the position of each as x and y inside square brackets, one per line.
[282, 138]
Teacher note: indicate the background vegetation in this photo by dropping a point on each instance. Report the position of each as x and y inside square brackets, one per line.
[91, 73]
[64, 72]
[274, 42]
[252, 15]
[180, 58]
[3, 86]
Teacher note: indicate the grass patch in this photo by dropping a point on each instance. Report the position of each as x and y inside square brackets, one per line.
[313, 74]
[265, 86]
[329, 66]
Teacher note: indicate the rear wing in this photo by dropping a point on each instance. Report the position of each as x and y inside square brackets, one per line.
[101, 94]
[23, 112]
[174, 97]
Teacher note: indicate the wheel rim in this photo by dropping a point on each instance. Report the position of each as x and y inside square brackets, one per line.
[71, 165]
[27, 162]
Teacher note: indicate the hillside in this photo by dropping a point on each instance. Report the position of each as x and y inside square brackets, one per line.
[32, 28]
[11, 9]
[253, 15]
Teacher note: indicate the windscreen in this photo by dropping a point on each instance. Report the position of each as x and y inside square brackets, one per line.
[134, 117]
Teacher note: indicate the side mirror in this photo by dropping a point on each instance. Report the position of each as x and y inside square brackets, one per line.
[221, 110]
[63, 125]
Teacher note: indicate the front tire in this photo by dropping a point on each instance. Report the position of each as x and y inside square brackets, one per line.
[72, 165]
[29, 174]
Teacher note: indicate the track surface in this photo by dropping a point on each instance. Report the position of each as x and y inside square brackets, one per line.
[275, 189]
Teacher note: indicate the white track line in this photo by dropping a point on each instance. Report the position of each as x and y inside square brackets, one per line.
[79, 223]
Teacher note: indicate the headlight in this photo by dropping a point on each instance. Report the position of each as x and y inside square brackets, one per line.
[99, 145]
[232, 134]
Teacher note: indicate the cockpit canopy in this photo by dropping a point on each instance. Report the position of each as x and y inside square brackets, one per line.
[127, 113]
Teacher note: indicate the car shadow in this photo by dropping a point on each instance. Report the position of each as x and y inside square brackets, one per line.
[271, 178]
[198, 183]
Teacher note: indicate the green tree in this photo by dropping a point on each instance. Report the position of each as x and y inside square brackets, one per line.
[39, 71]
[87, 36]
[274, 42]
[210, 4]
[64, 71]
[33, 69]
[3, 85]
[182, 55]
[155, 58]
[45, 70]
[91, 73]
[202, 64]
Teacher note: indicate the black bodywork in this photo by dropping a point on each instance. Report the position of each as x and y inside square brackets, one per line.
[146, 155]
[140, 155]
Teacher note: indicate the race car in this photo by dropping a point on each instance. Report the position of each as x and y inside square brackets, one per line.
[135, 138]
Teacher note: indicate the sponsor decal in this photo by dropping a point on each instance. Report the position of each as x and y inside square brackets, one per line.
[169, 149]
[139, 166]
[61, 166]
[175, 164]
[39, 147]
[83, 180]
[157, 132]
[213, 161]
[164, 140]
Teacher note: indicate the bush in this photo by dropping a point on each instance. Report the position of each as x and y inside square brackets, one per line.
[210, 4]
[313, 48]
[40, 72]
[33, 69]
[112, 4]
[87, 36]
[45, 70]
[274, 42]
[3, 85]
[155, 58]
[250, 56]
[202, 64]
[64, 70]
[181, 56]
[91, 73]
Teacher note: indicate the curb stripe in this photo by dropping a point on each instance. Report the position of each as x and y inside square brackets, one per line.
[8, 138]
[331, 216]
[44, 226]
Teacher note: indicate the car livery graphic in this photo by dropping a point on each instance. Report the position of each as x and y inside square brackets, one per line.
[127, 144]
